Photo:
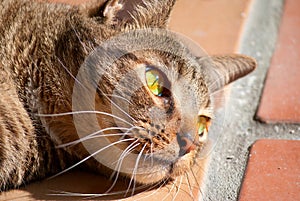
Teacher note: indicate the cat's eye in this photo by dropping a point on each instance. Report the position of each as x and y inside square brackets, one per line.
[203, 125]
[156, 81]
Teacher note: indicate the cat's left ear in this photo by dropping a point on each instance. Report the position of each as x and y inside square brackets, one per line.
[222, 70]
[137, 13]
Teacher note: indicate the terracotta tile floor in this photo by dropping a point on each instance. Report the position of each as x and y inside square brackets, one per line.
[280, 101]
[273, 172]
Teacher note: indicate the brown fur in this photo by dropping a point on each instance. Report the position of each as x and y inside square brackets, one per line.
[42, 48]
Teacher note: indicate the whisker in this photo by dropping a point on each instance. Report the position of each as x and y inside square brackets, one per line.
[127, 151]
[135, 169]
[189, 185]
[118, 107]
[157, 186]
[119, 164]
[178, 189]
[200, 189]
[194, 175]
[68, 71]
[123, 192]
[149, 155]
[67, 194]
[94, 135]
[87, 138]
[86, 195]
[156, 190]
[117, 96]
[171, 189]
[77, 35]
[88, 157]
[196, 179]
[84, 112]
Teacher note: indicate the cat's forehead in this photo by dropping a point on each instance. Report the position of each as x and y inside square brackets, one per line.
[173, 65]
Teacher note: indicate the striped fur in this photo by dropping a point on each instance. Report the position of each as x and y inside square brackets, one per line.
[42, 47]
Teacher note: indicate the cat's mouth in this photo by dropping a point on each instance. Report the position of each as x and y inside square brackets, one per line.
[184, 163]
[156, 155]
[164, 170]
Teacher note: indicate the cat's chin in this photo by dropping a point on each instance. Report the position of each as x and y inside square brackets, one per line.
[182, 165]
[162, 173]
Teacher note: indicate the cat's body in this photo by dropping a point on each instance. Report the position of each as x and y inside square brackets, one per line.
[43, 46]
[27, 46]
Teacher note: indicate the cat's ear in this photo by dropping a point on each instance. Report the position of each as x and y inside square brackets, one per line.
[223, 70]
[137, 13]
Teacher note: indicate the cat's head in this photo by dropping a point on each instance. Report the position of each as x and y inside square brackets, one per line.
[151, 93]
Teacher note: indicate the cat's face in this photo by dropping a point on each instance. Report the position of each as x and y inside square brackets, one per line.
[157, 96]
[151, 97]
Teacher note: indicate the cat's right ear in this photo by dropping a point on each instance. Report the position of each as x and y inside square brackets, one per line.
[222, 70]
[104, 9]
[136, 13]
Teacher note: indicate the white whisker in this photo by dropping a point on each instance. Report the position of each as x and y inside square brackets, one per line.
[86, 195]
[77, 35]
[196, 179]
[117, 96]
[123, 192]
[149, 155]
[156, 190]
[134, 170]
[87, 138]
[93, 196]
[84, 112]
[94, 135]
[178, 188]
[85, 159]
[118, 107]
[189, 185]
[119, 164]
[69, 72]
[123, 111]
[170, 190]
[127, 151]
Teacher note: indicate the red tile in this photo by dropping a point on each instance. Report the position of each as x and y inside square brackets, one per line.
[273, 171]
[280, 101]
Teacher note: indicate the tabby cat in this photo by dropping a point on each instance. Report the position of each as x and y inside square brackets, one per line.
[104, 84]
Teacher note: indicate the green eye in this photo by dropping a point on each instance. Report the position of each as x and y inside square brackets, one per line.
[155, 81]
[203, 125]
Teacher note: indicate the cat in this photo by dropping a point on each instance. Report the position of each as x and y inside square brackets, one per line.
[104, 84]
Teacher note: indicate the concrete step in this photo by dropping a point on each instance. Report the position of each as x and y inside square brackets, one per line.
[280, 100]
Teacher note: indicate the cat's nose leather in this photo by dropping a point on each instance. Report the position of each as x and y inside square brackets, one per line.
[186, 144]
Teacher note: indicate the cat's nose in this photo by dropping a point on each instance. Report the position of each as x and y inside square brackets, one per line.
[187, 143]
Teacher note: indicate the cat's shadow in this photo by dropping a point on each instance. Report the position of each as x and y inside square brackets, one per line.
[80, 185]
[83, 185]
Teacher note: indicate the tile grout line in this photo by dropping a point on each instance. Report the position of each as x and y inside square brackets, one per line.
[225, 177]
